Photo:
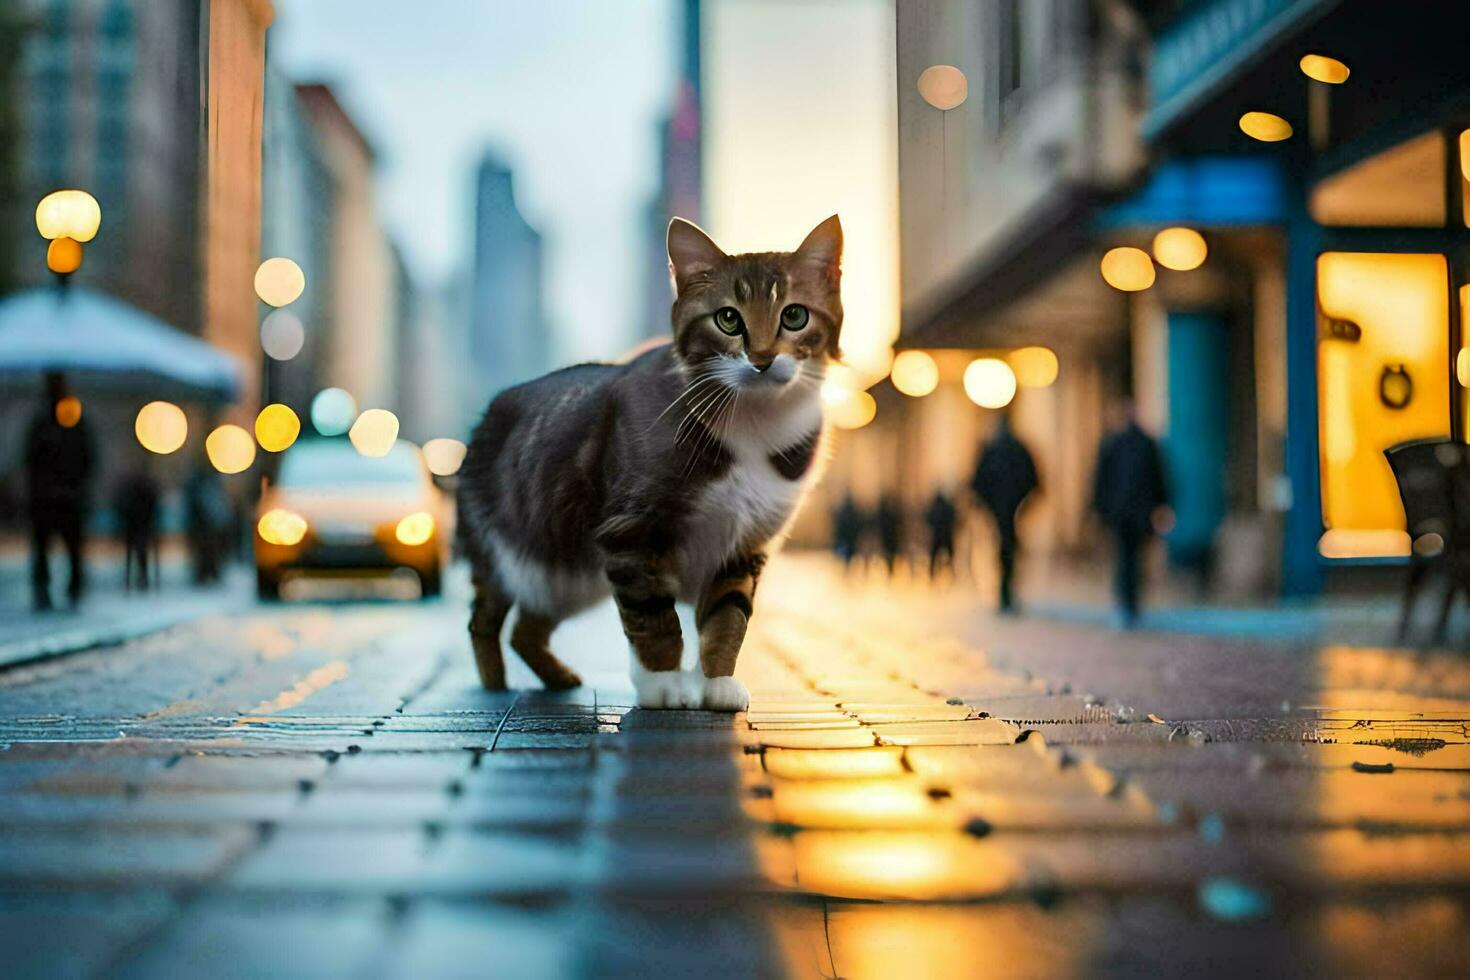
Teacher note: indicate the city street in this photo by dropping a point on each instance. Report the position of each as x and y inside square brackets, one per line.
[918, 789]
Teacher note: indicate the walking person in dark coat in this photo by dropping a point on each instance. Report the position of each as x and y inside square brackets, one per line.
[940, 516]
[58, 462]
[889, 521]
[1004, 477]
[1128, 491]
[847, 530]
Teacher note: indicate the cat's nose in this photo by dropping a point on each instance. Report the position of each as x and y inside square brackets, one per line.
[760, 363]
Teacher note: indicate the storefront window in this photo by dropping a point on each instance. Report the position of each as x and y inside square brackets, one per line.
[1401, 187]
[1383, 378]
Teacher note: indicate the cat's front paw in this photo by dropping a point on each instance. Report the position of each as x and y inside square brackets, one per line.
[725, 694]
[667, 688]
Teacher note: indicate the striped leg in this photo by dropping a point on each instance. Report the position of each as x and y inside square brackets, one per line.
[724, 612]
[646, 606]
[486, 617]
[531, 639]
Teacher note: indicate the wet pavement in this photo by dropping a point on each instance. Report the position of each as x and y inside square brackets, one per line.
[917, 790]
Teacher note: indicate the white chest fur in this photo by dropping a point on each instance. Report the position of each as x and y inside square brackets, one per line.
[751, 503]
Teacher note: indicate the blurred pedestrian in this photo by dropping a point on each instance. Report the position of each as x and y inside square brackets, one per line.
[137, 510]
[208, 520]
[1130, 496]
[889, 522]
[940, 515]
[58, 463]
[1005, 476]
[847, 530]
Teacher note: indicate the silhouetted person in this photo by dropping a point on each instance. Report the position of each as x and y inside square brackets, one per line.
[1004, 477]
[208, 516]
[58, 462]
[940, 515]
[847, 530]
[889, 521]
[137, 509]
[1128, 489]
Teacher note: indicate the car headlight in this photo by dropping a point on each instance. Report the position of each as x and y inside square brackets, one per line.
[415, 529]
[281, 527]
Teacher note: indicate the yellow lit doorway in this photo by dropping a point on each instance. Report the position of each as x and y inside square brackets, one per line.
[1383, 376]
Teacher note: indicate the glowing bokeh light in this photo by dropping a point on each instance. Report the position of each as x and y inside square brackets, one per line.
[282, 335]
[279, 281]
[1034, 367]
[374, 432]
[944, 87]
[1462, 367]
[230, 449]
[415, 529]
[915, 373]
[64, 256]
[1321, 68]
[281, 527]
[1126, 268]
[68, 411]
[1180, 249]
[444, 457]
[332, 411]
[851, 410]
[1265, 126]
[276, 428]
[161, 427]
[68, 214]
[990, 382]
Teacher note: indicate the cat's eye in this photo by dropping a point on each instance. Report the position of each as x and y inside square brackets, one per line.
[794, 317]
[727, 318]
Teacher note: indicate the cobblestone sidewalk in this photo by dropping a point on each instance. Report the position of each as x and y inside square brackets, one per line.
[323, 791]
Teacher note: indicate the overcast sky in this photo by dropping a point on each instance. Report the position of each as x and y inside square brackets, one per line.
[569, 92]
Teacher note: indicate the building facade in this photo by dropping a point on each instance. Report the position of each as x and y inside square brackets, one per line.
[1322, 325]
[509, 338]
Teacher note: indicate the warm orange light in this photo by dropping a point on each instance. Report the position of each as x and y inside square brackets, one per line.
[230, 449]
[849, 410]
[444, 456]
[68, 411]
[374, 432]
[1035, 367]
[990, 382]
[161, 427]
[415, 529]
[276, 428]
[64, 256]
[281, 527]
[1126, 268]
[915, 373]
[1465, 153]
[279, 281]
[1265, 126]
[1462, 367]
[68, 214]
[1321, 68]
[944, 87]
[1180, 249]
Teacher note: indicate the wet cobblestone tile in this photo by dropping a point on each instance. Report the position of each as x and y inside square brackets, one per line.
[48, 934]
[118, 858]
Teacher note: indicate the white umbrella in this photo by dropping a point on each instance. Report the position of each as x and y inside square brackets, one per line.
[104, 344]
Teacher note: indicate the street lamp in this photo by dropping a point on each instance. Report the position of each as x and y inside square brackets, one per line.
[67, 218]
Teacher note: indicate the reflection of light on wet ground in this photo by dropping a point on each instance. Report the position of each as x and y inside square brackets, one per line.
[323, 676]
[833, 763]
[859, 804]
[904, 866]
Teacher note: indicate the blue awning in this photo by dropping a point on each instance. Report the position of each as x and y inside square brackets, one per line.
[104, 344]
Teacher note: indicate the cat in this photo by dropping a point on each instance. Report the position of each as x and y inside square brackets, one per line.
[661, 480]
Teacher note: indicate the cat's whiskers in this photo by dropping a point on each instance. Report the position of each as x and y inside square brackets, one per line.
[695, 415]
[700, 378]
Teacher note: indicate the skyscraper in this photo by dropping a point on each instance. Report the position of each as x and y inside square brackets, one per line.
[509, 339]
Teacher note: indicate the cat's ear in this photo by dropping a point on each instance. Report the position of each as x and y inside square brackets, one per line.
[824, 246]
[691, 253]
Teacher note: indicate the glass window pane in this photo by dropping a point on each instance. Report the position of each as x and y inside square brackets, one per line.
[1382, 379]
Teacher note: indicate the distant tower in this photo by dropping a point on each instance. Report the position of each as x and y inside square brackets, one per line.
[509, 340]
[681, 166]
